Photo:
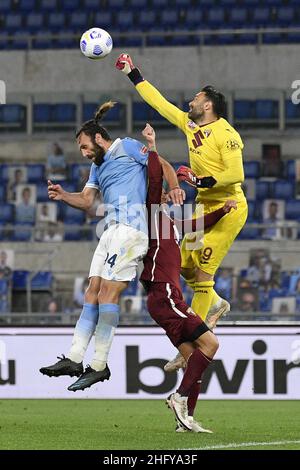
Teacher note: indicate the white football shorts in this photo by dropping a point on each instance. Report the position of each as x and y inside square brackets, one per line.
[119, 250]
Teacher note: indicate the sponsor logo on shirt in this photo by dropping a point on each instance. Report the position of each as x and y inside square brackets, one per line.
[192, 124]
[207, 132]
[144, 150]
[232, 144]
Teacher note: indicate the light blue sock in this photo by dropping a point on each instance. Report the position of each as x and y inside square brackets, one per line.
[84, 330]
[105, 330]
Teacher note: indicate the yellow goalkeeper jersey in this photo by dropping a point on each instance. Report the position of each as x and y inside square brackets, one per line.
[215, 149]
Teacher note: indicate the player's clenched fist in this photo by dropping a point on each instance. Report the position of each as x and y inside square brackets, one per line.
[55, 191]
[124, 63]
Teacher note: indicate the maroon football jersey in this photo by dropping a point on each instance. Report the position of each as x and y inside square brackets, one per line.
[162, 262]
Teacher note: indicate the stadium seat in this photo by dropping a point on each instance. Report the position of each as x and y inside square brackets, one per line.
[75, 170]
[5, 6]
[48, 5]
[215, 17]
[292, 111]
[73, 216]
[260, 16]
[169, 18]
[56, 21]
[64, 113]
[34, 22]
[2, 194]
[36, 173]
[194, 18]
[141, 112]
[27, 5]
[291, 169]
[159, 3]
[42, 281]
[13, 114]
[266, 109]
[263, 190]
[106, 19]
[43, 40]
[285, 15]
[72, 234]
[42, 113]
[19, 279]
[22, 232]
[251, 211]
[292, 210]
[147, 18]
[42, 192]
[79, 20]
[70, 5]
[13, 21]
[252, 169]
[284, 190]
[238, 16]
[20, 40]
[249, 233]
[93, 5]
[243, 109]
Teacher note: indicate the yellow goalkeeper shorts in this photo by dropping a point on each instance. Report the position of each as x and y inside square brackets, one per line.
[216, 241]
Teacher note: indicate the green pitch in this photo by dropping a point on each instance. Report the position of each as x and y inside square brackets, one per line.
[146, 424]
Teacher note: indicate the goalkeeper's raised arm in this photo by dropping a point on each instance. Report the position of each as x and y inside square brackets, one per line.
[150, 94]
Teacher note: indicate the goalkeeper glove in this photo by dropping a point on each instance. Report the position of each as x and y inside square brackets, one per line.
[186, 174]
[124, 63]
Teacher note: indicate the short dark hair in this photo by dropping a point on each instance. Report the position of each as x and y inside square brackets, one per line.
[217, 98]
[93, 127]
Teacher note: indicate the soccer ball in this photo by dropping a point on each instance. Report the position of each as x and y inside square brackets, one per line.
[96, 43]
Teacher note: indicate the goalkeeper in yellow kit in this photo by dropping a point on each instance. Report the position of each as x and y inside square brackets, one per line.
[215, 151]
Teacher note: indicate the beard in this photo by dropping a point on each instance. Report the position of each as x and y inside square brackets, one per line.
[98, 154]
[194, 114]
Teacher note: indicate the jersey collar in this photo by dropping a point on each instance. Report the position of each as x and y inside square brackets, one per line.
[112, 147]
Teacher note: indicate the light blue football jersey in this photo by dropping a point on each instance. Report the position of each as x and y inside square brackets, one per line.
[122, 179]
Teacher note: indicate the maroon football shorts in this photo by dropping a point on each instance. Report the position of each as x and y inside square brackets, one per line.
[168, 308]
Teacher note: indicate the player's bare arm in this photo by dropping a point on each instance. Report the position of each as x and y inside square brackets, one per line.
[83, 200]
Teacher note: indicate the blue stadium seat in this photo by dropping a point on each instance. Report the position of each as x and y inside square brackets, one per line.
[292, 111]
[73, 216]
[2, 194]
[251, 211]
[194, 18]
[70, 5]
[291, 169]
[64, 113]
[43, 40]
[106, 19]
[238, 16]
[147, 18]
[292, 38]
[285, 15]
[36, 173]
[42, 112]
[72, 234]
[13, 114]
[48, 5]
[22, 232]
[56, 21]
[20, 39]
[266, 109]
[284, 190]
[169, 18]
[27, 5]
[139, 4]
[75, 170]
[79, 20]
[42, 281]
[292, 210]
[68, 186]
[261, 16]
[159, 3]
[34, 21]
[252, 169]
[247, 38]
[215, 17]
[249, 233]
[132, 287]
[243, 109]
[65, 39]
[272, 38]
[13, 21]
[19, 279]
[5, 6]
[91, 4]
[42, 192]
[141, 111]
[263, 190]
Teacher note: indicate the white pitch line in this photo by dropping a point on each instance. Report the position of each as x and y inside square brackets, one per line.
[244, 444]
